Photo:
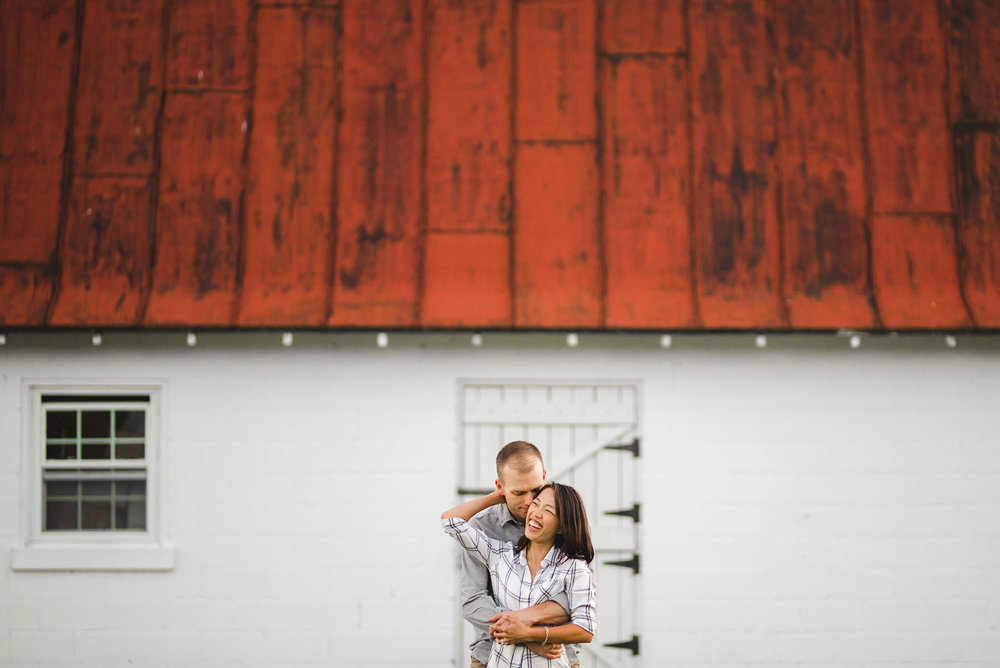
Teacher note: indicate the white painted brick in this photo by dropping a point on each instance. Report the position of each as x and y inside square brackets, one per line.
[41, 646]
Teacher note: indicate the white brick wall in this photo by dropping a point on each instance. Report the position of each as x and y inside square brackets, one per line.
[806, 504]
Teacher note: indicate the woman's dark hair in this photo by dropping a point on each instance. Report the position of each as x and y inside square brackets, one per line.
[573, 539]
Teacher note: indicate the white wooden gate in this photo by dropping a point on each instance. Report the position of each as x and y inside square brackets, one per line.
[588, 432]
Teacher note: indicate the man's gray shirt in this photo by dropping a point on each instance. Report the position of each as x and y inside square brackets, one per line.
[475, 591]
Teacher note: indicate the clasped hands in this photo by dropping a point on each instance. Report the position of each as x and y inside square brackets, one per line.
[510, 629]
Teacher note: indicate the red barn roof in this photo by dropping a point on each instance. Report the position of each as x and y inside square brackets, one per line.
[532, 164]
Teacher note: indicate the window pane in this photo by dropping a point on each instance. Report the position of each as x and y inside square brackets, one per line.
[96, 515]
[95, 451]
[61, 490]
[130, 424]
[96, 424]
[130, 515]
[130, 450]
[60, 424]
[60, 516]
[130, 489]
[97, 490]
[66, 451]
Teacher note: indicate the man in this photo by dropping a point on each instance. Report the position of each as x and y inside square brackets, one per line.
[520, 474]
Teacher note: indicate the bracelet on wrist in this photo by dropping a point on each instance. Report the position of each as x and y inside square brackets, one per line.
[546, 641]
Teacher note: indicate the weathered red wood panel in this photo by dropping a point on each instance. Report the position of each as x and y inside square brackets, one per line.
[975, 91]
[649, 26]
[36, 65]
[823, 193]
[647, 230]
[298, 3]
[25, 292]
[736, 239]
[557, 258]
[209, 45]
[466, 277]
[120, 87]
[469, 275]
[904, 94]
[379, 172]
[914, 275]
[468, 122]
[290, 197]
[555, 70]
[105, 259]
[197, 218]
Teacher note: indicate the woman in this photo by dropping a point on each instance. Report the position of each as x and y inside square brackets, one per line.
[551, 557]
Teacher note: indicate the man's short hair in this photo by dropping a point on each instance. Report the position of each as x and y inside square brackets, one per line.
[516, 452]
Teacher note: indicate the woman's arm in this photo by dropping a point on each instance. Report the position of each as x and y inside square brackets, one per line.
[516, 631]
[469, 508]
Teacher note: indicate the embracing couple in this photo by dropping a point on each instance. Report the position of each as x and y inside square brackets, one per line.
[527, 585]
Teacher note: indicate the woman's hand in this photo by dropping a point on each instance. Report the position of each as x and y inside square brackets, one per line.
[509, 629]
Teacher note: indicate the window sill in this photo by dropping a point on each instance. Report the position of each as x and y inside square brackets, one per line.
[83, 557]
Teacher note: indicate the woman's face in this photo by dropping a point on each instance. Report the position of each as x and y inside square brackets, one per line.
[542, 523]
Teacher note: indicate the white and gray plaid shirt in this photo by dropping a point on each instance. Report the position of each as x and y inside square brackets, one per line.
[514, 589]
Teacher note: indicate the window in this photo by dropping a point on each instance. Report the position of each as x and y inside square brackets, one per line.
[94, 470]
[91, 494]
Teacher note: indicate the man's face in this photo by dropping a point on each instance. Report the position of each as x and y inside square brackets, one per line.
[520, 486]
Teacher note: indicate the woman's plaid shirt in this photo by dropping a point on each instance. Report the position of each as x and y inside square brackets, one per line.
[513, 588]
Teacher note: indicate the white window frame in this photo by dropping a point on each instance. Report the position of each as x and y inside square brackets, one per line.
[89, 550]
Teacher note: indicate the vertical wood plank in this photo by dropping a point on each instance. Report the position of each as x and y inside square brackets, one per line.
[290, 196]
[558, 272]
[25, 292]
[105, 252]
[650, 26]
[823, 194]
[105, 255]
[913, 276]
[914, 258]
[734, 197]
[468, 279]
[555, 70]
[466, 264]
[197, 221]
[209, 45]
[380, 137]
[647, 237]
[975, 92]
[904, 96]
[120, 87]
[36, 66]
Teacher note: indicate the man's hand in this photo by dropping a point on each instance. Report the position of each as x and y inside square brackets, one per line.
[545, 651]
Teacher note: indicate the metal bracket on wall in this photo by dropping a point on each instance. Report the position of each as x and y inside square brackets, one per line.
[632, 644]
[632, 512]
[632, 447]
[632, 563]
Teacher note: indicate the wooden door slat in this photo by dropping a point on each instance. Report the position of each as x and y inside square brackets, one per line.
[290, 197]
[823, 190]
[735, 195]
[197, 222]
